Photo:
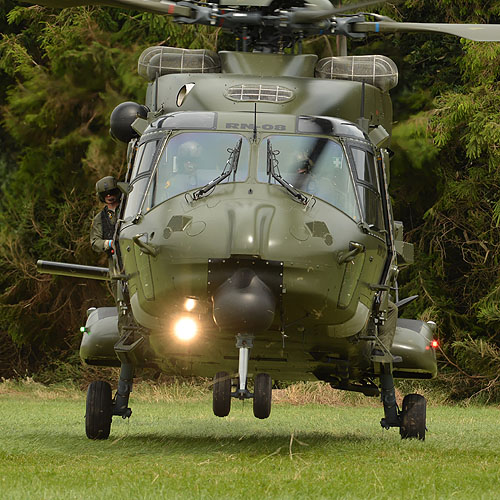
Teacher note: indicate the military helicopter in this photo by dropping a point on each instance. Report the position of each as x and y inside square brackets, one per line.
[255, 238]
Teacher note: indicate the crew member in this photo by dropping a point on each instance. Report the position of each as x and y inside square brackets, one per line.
[184, 174]
[103, 225]
[305, 163]
[190, 154]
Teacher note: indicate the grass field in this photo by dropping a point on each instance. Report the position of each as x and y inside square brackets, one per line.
[178, 449]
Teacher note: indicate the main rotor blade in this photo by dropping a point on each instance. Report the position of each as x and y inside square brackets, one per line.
[355, 7]
[156, 6]
[317, 10]
[476, 32]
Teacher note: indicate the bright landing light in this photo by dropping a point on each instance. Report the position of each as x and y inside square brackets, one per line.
[190, 304]
[185, 329]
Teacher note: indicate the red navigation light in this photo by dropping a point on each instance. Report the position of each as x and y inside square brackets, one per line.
[435, 344]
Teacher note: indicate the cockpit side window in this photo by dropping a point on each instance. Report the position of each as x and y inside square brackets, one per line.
[139, 178]
[371, 205]
[314, 165]
[364, 166]
[368, 186]
[144, 158]
[134, 199]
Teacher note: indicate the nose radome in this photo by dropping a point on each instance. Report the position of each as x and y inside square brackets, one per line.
[244, 303]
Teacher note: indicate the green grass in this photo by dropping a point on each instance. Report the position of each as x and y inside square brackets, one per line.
[178, 449]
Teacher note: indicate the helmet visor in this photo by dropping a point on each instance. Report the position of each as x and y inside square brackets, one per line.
[112, 192]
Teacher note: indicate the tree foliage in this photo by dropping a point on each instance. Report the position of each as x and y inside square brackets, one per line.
[63, 72]
[458, 231]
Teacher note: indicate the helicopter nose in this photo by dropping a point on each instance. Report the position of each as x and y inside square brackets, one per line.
[244, 303]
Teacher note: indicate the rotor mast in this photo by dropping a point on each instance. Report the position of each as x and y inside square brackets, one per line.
[341, 41]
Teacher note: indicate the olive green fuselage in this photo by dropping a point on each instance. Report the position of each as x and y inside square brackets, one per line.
[265, 225]
[318, 258]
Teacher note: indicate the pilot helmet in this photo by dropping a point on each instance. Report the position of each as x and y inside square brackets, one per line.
[189, 154]
[107, 185]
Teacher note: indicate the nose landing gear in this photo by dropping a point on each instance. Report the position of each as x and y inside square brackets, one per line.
[262, 385]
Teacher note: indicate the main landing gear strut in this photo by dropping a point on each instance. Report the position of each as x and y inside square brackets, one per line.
[411, 418]
[222, 390]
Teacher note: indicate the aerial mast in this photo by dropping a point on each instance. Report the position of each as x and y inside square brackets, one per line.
[341, 40]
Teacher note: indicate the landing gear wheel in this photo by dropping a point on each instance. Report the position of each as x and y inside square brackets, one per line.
[99, 410]
[222, 394]
[413, 417]
[262, 394]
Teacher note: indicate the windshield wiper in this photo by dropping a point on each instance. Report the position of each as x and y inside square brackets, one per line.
[232, 163]
[274, 172]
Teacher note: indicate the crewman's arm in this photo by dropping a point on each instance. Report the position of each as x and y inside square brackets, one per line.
[96, 241]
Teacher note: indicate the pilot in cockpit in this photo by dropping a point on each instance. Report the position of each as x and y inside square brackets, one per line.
[325, 177]
[305, 178]
[304, 162]
[187, 162]
[183, 172]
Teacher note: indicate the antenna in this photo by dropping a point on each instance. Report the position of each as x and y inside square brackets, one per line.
[363, 122]
[362, 111]
[254, 121]
[156, 90]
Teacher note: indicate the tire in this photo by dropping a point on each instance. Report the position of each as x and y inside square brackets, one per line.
[262, 394]
[99, 410]
[222, 394]
[413, 417]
